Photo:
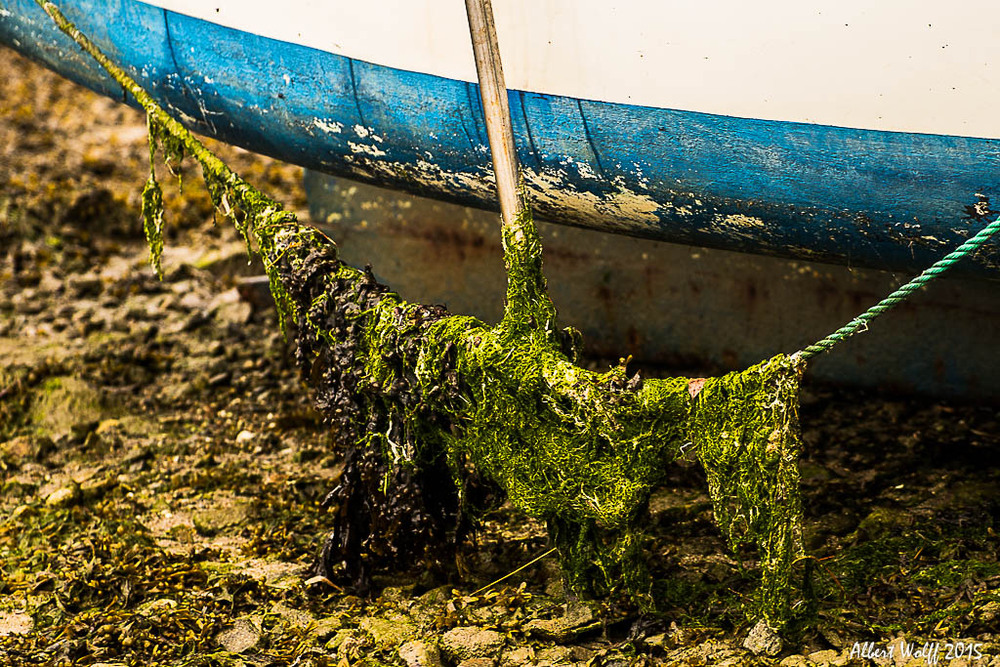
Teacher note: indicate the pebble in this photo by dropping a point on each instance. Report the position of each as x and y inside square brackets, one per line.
[578, 618]
[466, 642]
[106, 426]
[242, 637]
[418, 653]
[15, 623]
[27, 303]
[325, 628]
[157, 606]
[21, 449]
[346, 644]
[477, 662]
[827, 657]
[386, 632]
[763, 640]
[95, 487]
[556, 655]
[244, 437]
[294, 617]
[228, 308]
[224, 512]
[525, 655]
[63, 496]
[85, 285]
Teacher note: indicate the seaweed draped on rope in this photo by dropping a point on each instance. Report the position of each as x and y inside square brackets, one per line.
[423, 391]
[431, 406]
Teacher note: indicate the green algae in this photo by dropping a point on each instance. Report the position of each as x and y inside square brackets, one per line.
[748, 442]
[15, 399]
[62, 403]
[916, 581]
[578, 449]
[99, 591]
[415, 389]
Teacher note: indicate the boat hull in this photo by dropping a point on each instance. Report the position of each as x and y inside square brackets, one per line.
[682, 307]
[866, 197]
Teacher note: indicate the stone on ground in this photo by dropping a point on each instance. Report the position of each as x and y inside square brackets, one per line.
[467, 642]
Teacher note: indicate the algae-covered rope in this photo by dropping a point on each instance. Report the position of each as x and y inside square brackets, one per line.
[860, 323]
[425, 400]
[527, 296]
[218, 176]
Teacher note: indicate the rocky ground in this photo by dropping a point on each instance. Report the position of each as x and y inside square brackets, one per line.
[162, 470]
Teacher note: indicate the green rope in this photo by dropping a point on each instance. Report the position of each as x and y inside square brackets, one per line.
[860, 323]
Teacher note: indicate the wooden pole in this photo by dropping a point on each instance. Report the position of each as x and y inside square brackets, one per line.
[493, 93]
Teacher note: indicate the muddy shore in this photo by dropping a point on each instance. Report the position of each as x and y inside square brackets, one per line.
[162, 469]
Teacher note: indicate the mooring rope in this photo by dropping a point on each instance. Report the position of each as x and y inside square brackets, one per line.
[860, 323]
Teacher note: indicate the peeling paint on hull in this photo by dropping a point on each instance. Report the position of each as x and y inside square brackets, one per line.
[888, 200]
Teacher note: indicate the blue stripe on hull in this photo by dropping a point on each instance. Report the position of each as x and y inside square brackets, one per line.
[882, 199]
